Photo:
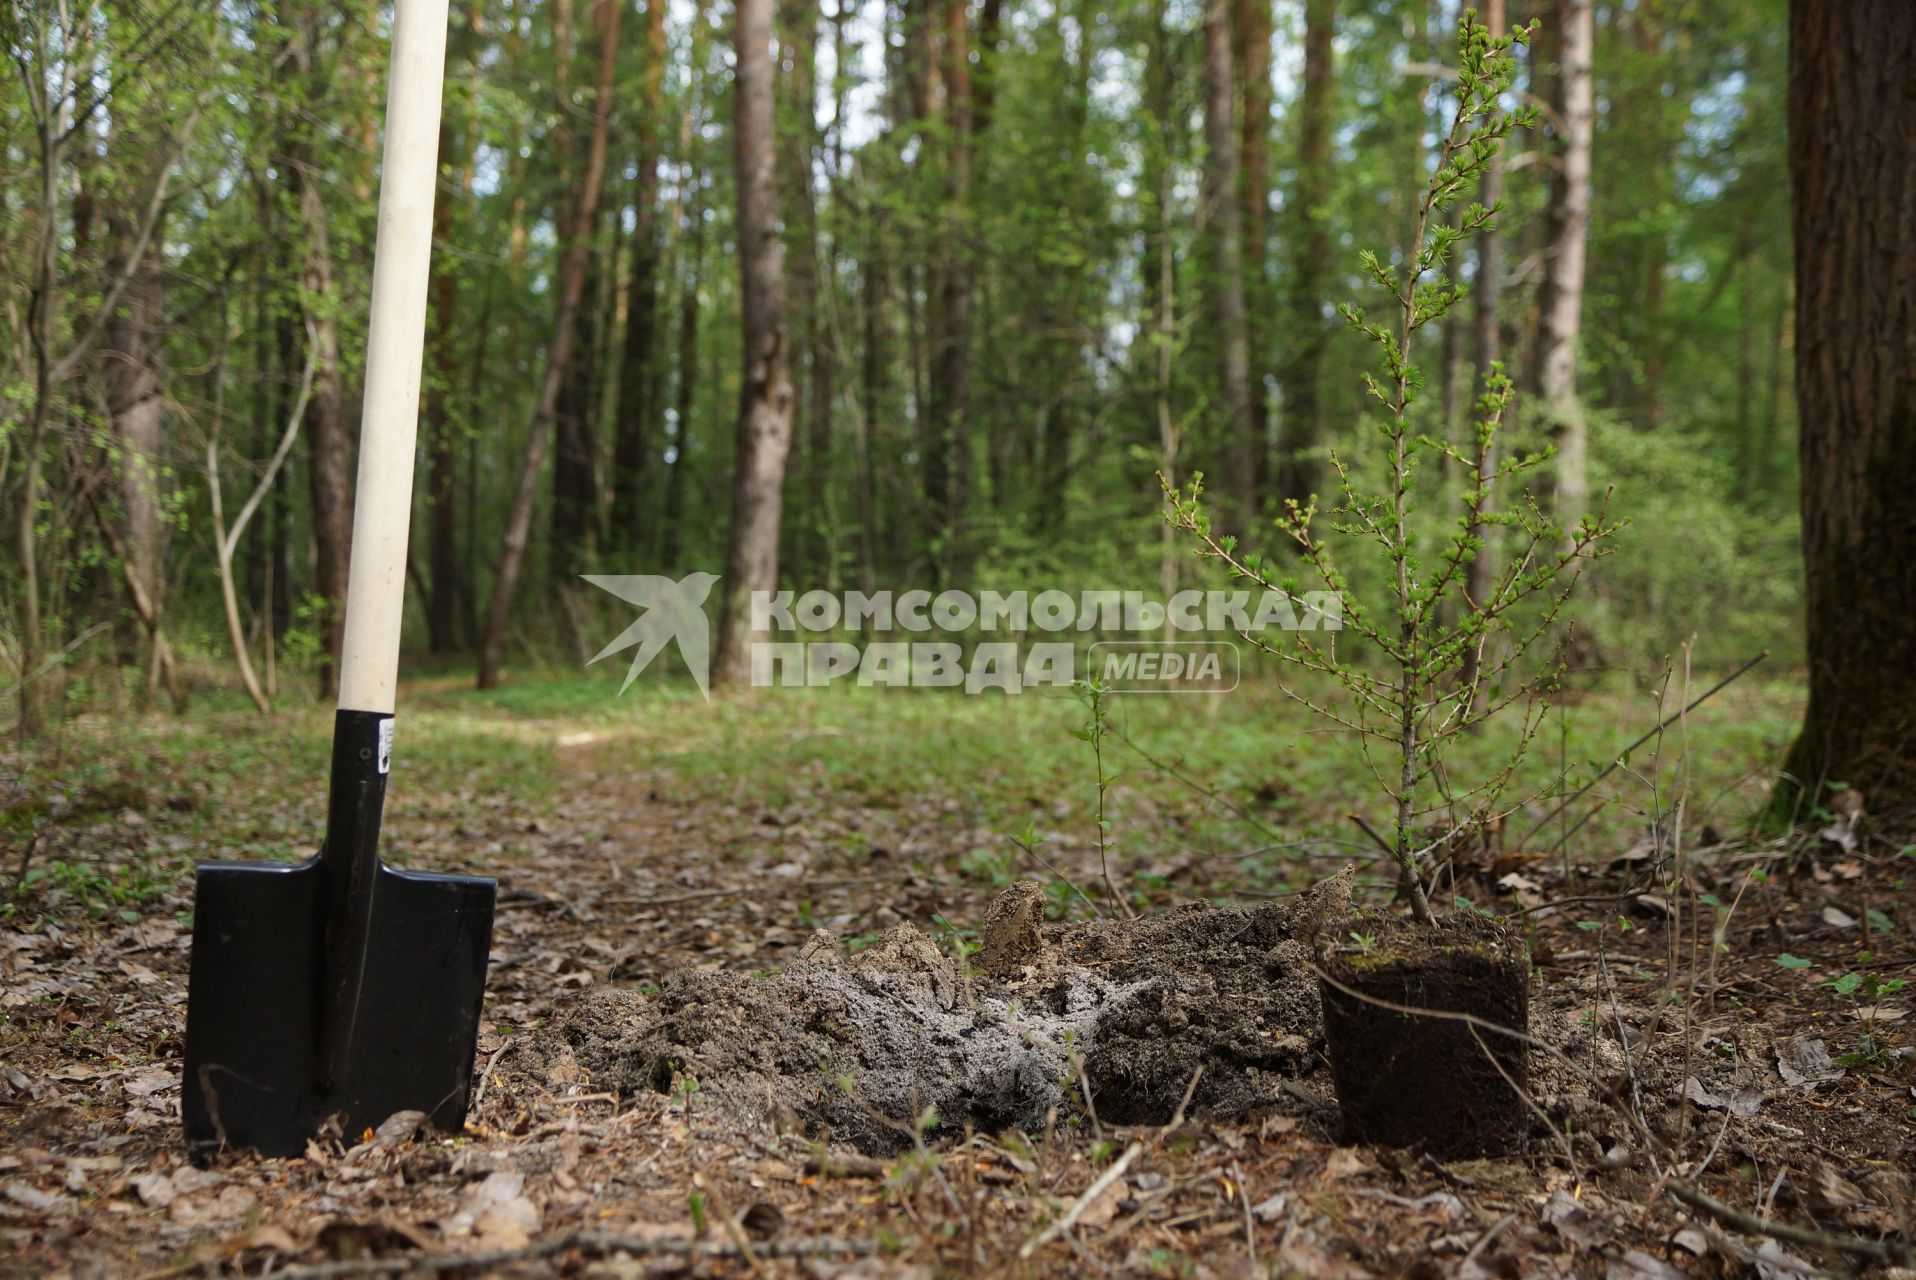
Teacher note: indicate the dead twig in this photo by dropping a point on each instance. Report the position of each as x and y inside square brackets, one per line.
[732, 1229]
[1250, 1230]
[1889, 1252]
[1083, 1202]
[485, 1077]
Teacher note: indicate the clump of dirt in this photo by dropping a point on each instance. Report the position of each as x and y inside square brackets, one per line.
[1229, 990]
[853, 1047]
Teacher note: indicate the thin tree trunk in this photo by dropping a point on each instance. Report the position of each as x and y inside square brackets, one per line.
[1223, 210]
[811, 375]
[1765, 472]
[948, 452]
[1161, 269]
[1251, 24]
[1852, 141]
[877, 384]
[442, 478]
[688, 387]
[1562, 320]
[1300, 471]
[130, 354]
[639, 363]
[765, 388]
[558, 355]
[1064, 319]
[226, 540]
[576, 429]
[330, 445]
[1748, 443]
[1487, 315]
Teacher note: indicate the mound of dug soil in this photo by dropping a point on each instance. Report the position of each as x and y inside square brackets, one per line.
[852, 1047]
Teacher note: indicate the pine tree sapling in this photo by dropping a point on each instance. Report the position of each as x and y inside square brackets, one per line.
[1441, 658]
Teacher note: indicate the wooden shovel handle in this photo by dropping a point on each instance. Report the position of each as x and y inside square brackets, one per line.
[395, 341]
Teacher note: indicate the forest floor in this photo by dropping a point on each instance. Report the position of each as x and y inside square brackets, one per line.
[1732, 1037]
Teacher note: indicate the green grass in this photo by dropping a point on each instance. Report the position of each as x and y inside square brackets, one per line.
[1241, 783]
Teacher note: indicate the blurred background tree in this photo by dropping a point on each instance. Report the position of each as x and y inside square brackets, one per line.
[1032, 250]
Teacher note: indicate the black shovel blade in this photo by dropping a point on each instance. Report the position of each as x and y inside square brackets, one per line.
[256, 999]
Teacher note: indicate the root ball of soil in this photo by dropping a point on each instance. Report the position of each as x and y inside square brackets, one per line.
[1451, 1085]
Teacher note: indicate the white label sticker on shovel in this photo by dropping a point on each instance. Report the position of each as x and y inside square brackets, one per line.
[385, 745]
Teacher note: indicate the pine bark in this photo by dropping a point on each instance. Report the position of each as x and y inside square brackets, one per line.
[1852, 146]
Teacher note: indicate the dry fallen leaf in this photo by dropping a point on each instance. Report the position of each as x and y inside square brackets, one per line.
[1743, 1103]
[399, 1127]
[1805, 1063]
[497, 1211]
[1345, 1162]
[1634, 1264]
[1575, 1222]
[1102, 1210]
[151, 1082]
[31, 1197]
[229, 1204]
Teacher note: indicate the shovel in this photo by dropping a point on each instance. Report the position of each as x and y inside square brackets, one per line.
[340, 987]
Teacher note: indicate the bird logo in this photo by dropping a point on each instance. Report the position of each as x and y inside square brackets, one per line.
[674, 612]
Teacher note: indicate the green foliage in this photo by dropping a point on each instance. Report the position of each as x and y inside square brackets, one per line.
[1866, 990]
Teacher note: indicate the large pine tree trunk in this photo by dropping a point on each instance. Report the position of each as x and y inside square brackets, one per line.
[1224, 210]
[765, 390]
[558, 357]
[1852, 116]
[1300, 473]
[1562, 311]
